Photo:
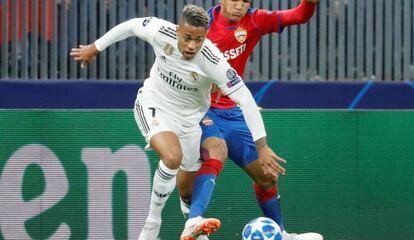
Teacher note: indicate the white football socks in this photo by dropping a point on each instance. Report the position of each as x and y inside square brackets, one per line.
[163, 186]
[185, 208]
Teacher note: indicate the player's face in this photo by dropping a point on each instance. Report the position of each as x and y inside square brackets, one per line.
[234, 10]
[190, 39]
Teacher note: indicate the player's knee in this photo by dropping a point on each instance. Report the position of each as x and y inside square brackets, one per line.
[172, 159]
[216, 149]
[266, 182]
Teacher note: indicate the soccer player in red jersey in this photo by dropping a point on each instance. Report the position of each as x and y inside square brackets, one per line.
[235, 28]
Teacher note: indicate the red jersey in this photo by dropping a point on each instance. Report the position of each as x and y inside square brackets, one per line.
[237, 40]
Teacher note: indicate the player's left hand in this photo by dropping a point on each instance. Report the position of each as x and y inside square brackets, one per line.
[270, 162]
[84, 54]
[313, 1]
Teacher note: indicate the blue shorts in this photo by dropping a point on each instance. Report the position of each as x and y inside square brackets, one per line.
[229, 124]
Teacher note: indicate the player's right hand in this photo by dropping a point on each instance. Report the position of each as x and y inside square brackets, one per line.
[270, 162]
[84, 54]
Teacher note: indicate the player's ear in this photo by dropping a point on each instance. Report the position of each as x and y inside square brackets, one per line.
[179, 26]
[180, 22]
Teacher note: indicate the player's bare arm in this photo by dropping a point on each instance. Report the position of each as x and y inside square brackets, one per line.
[84, 54]
[313, 1]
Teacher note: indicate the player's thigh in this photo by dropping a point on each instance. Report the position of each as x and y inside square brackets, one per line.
[159, 132]
[213, 144]
[241, 147]
[168, 147]
[210, 127]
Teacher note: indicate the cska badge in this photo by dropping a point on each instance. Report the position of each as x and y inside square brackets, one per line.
[207, 121]
[240, 34]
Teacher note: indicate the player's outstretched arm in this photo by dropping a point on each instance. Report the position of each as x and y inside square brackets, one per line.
[269, 161]
[298, 15]
[134, 27]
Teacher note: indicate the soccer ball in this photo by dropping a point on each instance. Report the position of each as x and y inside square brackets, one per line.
[262, 228]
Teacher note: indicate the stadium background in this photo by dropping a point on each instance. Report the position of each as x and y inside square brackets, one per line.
[74, 174]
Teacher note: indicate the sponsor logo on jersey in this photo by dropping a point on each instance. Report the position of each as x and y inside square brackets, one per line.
[163, 58]
[146, 21]
[194, 76]
[240, 34]
[176, 81]
[168, 49]
[207, 121]
[235, 52]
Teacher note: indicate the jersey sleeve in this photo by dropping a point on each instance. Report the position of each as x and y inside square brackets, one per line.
[220, 71]
[274, 21]
[143, 28]
[226, 78]
[267, 21]
[250, 112]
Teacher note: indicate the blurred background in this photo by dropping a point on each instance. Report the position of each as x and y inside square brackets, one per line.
[347, 40]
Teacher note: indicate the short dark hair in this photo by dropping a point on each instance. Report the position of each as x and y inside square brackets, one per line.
[195, 16]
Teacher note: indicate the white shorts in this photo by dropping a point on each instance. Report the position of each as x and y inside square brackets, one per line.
[152, 120]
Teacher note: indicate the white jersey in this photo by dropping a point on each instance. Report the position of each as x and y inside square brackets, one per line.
[178, 86]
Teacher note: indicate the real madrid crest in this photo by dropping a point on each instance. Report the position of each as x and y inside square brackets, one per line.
[168, 49]
[194, 76]
[240, 34]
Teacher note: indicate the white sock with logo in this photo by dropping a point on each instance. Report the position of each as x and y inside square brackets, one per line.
[185, 208]
[163, 186]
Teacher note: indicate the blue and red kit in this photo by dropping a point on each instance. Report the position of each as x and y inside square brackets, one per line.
[224, 119]
[237, 40]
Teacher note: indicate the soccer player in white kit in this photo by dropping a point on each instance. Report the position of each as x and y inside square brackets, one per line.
[174, 99]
